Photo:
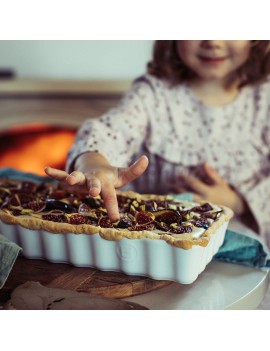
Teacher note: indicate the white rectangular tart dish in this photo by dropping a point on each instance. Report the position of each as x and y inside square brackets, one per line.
[156, 236]
[153, 258]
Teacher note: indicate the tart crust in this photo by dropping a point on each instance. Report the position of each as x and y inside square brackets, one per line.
[184, 241]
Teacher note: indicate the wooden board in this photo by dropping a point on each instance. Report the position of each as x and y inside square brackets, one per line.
[60, 275]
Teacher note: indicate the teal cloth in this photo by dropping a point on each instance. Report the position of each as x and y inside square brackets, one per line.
[237, 248]
[18, 175]
[8, 255]
[241, 249]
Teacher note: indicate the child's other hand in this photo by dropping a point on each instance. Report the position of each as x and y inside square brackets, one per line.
[219, 192]
[101, 180]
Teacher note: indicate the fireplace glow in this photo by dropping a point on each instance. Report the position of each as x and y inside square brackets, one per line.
[32, 148]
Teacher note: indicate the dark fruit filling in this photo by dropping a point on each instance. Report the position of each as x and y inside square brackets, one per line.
[51, 202]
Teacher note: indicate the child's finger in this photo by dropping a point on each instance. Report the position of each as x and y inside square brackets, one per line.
[93, 185]
[56, 173]
[76, 178]
[196, 184]
[108, 195]
[127, 175]
[177, 189]
[213, 174]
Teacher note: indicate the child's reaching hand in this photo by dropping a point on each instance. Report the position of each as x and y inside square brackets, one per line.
[218, 192]
[94, 175]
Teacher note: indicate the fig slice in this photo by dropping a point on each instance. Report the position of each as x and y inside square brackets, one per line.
[36, 205]
[93, 202]
[203, 208]
[52, 204]
[13, 200]
[83, 208]
[77, 219]
[24, 198]
[201, 223]
[143, 217]
[137, 228]
[162, 226]
[105, 222]
[54, 216]
[181, 229]
[125, 222]
[167, 216]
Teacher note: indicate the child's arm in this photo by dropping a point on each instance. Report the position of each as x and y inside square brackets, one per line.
[94, 175]
[111, 140]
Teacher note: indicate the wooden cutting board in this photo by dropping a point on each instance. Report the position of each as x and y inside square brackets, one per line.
[65, 276]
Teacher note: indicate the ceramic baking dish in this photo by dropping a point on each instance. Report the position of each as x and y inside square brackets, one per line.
[153, 258]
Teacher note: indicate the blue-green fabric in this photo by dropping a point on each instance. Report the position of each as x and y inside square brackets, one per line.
[241, 249]
[8, 254]
[18, 175]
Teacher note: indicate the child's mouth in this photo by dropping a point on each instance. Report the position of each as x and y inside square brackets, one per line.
[212, 60]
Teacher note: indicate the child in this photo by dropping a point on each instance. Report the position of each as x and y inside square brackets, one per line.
[198, 121]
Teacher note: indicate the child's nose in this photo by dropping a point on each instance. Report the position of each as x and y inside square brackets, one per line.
[211, 44]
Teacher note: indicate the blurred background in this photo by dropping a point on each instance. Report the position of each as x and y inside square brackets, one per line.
[67, 59]
[48, 88]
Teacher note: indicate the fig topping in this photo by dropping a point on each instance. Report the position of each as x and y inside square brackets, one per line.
[137, 228]
[58, 195]
[54, 217]
[36, 206]
[167, 216]
[144, 217]
[77, 219]
[125, 222]
[25, 198]
[151, 206]
[104, 222]
[28, 187]
[4, 190]
[93, 202]
[212, 214]
[59, 205]
[203, 208]
[162, 226]
[181, 229]
[83, 208]
[201, 223]
[14, 200]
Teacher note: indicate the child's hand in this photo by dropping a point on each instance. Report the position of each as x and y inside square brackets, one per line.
[100, 179]
[219, 192]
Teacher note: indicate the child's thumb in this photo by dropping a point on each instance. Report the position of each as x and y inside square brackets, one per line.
[127, 175]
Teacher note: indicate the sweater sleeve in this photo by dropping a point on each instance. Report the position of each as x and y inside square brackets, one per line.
[119, 133]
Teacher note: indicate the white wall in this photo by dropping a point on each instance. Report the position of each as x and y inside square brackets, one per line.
[69, 59]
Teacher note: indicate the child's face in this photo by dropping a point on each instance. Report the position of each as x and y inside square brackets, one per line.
[213, 59]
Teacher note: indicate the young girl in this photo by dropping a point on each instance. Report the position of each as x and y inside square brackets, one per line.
[198, 121]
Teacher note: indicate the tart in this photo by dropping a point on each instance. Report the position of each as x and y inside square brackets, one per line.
[50, 207]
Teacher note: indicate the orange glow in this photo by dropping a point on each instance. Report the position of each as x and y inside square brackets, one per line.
[32, 148]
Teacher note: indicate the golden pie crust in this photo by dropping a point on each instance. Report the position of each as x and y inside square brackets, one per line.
[185, 240]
